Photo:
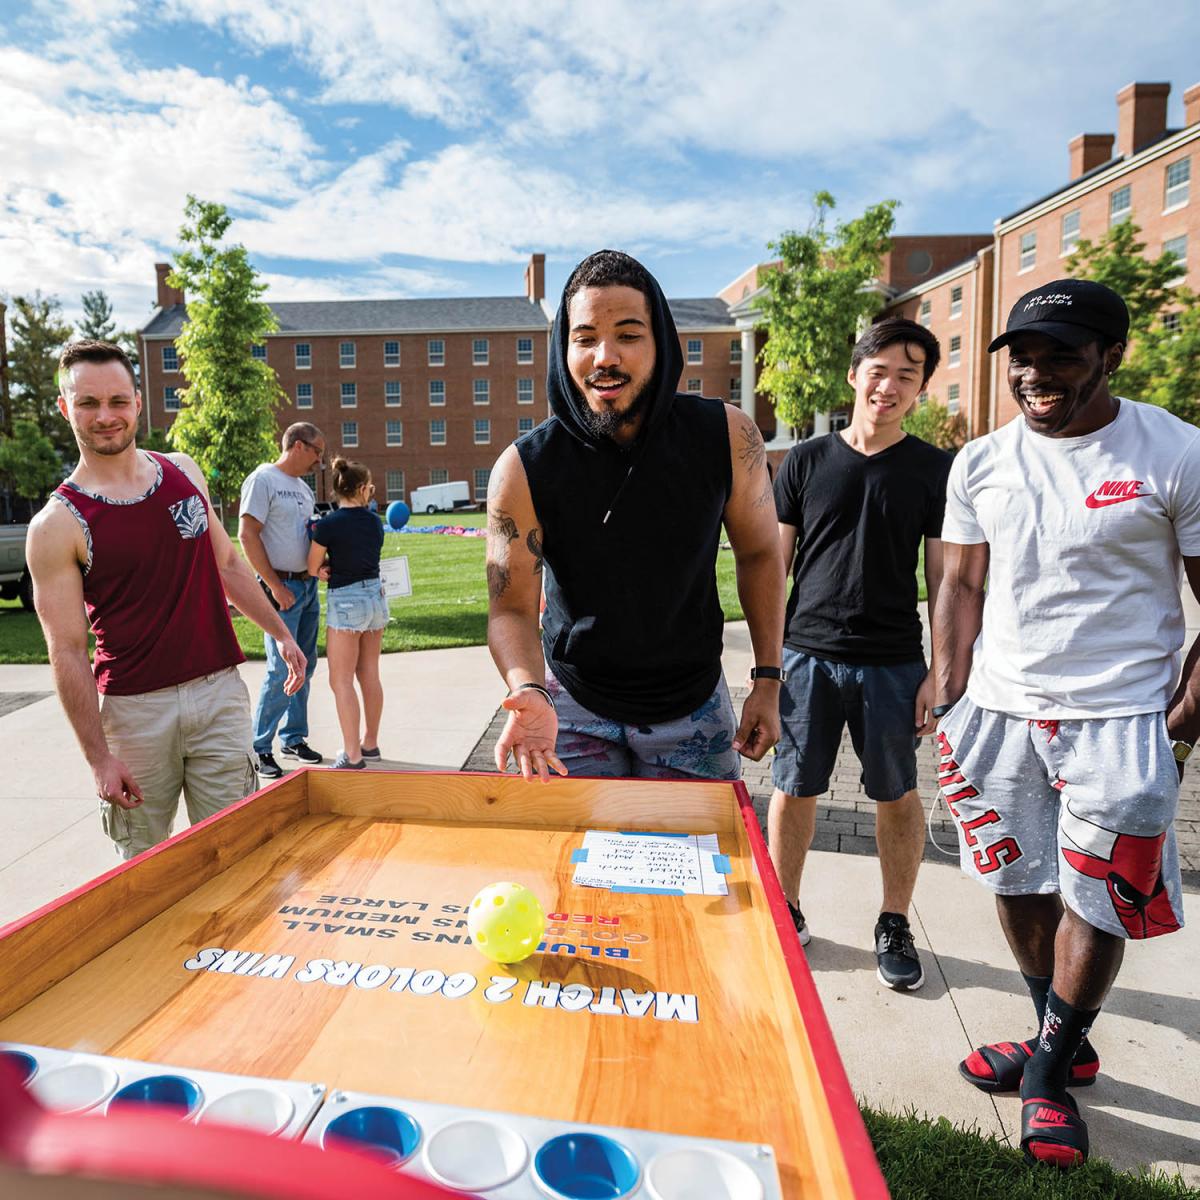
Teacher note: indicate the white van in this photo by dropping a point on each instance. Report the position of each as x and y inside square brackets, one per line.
[440, 497]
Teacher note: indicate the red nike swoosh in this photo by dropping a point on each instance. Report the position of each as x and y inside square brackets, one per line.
[1093, 502]
[1036, 1124]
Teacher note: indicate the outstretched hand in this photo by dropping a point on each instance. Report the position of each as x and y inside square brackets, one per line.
[529, 735]
[758, 730]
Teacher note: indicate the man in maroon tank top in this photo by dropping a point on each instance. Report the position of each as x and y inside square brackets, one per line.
[129, 544]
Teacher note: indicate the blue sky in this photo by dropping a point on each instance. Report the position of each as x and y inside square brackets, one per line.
[421, 148]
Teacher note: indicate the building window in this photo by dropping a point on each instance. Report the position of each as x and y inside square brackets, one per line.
[1179, 178]
[524, 350]
[693, 385]
[171, 399]
[395, 433]
[481, 391]
[437, 391]
[349, 433]
[439, 475]
[304, 395]
[695, 350]
[922, 397]
[391, 355]
[1070, 231]
[349, 395]
[735, 351]
[479, 352]
[952, 398]
[1171, 322]
[259, 351]
[311, 480]
[482, 475]
[391, 393]
[839, 420]
[483, 431]
[395, 485]
[1120, 205]
[524, 425]
[1028, 250]
[926, 313]
[1177, 248]
[956, 301]
[437, 352]
[437, 437]
[303, 356]
[346, 354]
[524, 391]
[735, 389]
[955, 351]
[170, 358]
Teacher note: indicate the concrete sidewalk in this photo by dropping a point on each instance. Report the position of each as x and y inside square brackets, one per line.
[901, 1050]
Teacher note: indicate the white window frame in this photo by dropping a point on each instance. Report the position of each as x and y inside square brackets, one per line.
[520, 400]
[396, 433]
[735, 390]
[735, 352]
[954, 352]
[953, 391]
[1117, 215]
[347, 358]
[695, 386]
[352, 393]
[695, 357]
[956, 306]
[171, 399]
[925, 313]
[349, 434]
[439, 474]
[481, 489]
[1069, 238]
[1027, 251]
[307, 401]
[439, 403]
[486, 439]
[1180, 258]
[389, 481]
[1181, 187]
[479, 357]
[524, 357]
[524, 425]
[388, 355]
[173, 365]
[393, 393]
[435, 358]
[434, 438]
[258, 351]
[306, 365]
[486, 393]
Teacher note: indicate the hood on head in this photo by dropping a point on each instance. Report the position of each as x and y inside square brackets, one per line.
[569, 406]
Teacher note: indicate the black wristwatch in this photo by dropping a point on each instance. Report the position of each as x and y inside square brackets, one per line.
[938, 711]
[768, 673]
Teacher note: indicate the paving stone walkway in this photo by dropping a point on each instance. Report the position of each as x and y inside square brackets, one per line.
[846, 818]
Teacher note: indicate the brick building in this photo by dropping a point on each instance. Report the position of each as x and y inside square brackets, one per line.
[423, 391]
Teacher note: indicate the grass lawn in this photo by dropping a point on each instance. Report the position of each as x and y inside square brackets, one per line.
[924, 1159]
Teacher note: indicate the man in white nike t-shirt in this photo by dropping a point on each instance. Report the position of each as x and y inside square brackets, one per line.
[1063, 727]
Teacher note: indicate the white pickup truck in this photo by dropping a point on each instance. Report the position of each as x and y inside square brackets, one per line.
[15, 580]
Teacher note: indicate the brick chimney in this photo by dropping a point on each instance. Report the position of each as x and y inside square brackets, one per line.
[1191, 105]
[167, 295]
[535, 278]
[1089, 150]
[1141, 115]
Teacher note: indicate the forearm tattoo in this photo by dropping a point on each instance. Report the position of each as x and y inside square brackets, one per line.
[534, 543]
[498, 579]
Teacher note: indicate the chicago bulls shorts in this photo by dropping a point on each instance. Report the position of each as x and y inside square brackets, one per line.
[1083, 808]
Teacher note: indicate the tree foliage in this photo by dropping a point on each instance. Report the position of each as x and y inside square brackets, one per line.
[814, 302]
[226, 420]
[98, 322]
[1163, 356]
[936, 424]
[29, 463]
[38, 334]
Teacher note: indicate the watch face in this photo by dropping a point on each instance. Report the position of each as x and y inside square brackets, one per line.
[1181, 751]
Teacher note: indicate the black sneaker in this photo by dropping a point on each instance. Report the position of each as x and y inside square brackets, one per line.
[802, 931]
[899, 965]
[303, 751]
[268, 768]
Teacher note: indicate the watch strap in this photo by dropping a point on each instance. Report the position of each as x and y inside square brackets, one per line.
[768, 673]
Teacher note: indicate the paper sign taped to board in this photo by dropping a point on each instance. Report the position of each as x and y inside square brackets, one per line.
[394, 573]
[675, 864]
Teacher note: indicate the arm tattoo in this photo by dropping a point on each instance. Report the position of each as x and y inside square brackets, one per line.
[766, 496]
[752, 451]
[501, 525]
[534, 542]
[498, 579]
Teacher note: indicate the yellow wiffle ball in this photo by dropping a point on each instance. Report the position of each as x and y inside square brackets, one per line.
[506, 922]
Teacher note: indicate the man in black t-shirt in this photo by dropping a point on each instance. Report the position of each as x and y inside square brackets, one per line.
[853, 507]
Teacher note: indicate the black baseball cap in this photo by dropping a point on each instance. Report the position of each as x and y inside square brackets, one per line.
[1075, 311]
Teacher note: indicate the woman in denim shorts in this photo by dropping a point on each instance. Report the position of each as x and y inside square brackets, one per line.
[346, 547]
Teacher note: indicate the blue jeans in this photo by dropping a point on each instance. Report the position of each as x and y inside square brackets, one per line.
[302, 620]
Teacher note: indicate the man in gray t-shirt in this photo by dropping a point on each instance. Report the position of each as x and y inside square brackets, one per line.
[276, 506]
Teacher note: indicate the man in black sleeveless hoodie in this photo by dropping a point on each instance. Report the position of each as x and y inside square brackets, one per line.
[615, 504]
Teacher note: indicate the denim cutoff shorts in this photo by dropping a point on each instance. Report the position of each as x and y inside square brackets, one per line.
[357, 607]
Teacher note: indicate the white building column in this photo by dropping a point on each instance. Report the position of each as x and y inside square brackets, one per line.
[821, 423]
[748, 376]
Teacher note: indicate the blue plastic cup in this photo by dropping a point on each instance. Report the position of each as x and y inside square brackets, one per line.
[26, 1064]
[385, 1134]
[168, 1091]
[586, 1166]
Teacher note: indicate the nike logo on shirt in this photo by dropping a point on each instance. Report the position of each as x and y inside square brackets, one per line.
[1116, 491]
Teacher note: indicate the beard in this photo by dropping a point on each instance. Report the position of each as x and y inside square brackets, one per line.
[109, 447]
[606, 423]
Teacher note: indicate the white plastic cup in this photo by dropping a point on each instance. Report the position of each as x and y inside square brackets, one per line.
[475, 1155]
[264, 1109]
[693, 1171]
[76, 1087]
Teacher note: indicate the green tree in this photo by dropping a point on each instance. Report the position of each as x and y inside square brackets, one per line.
[29, 463]
[1163, 354]
[98, 322]
[936, 424]
[226, 420]
[814, 303]
[38, 334]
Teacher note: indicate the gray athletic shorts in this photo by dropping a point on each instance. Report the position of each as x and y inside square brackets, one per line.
[1083, 808]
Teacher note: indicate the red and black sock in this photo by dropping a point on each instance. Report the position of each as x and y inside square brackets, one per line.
[1063, 1031]
[1039, 988]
